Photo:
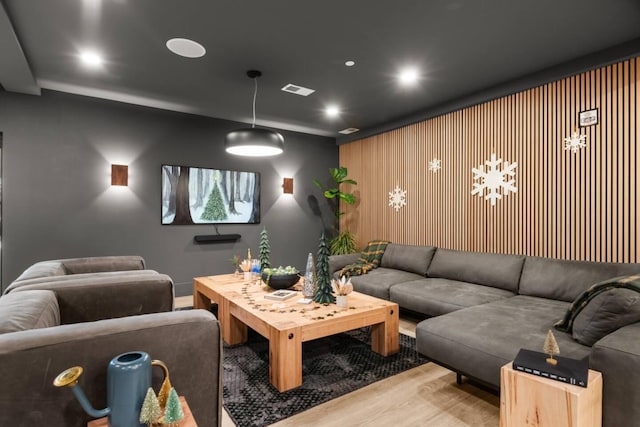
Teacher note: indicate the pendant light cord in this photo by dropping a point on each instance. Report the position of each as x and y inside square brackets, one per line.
[255, 93]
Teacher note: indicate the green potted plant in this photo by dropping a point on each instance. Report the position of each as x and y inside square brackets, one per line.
[342, 242]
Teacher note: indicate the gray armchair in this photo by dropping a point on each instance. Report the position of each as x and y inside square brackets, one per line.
[86, 319]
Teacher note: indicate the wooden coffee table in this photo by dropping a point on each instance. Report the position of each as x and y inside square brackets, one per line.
[287, 324]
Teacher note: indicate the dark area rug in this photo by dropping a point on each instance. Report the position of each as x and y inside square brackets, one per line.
[331, 367]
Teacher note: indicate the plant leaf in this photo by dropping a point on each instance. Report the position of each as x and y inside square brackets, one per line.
[331, 193]
[339, 174]
[348, 198]
[349, 181]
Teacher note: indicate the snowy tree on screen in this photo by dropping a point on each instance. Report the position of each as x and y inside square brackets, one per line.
[215, 210]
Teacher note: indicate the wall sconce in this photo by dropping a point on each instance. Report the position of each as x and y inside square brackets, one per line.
[120, 175]
[287, 185]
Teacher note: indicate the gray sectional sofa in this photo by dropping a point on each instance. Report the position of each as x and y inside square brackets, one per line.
[85, 311]
[481, 308]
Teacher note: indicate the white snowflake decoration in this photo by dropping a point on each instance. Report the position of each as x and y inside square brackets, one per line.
[494, 179]
[397, 198]
[434, 165]
[575, 142]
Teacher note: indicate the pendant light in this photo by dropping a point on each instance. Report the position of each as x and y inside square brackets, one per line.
[256, 142]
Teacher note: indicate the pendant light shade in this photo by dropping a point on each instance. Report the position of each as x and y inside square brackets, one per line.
[255, 142]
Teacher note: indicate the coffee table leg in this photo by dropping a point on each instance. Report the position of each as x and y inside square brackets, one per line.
[233, 330]
[285, 358]
[385, 335]
[200, 300]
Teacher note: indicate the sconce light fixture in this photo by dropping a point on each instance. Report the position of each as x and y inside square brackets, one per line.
[287, 185]
[120, 175]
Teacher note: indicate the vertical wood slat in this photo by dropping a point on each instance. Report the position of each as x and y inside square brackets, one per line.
[568, 205]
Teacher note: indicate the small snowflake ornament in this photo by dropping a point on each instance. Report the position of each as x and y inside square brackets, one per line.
[397, 198]
[494, 180]
[434, 165]
[575, 142]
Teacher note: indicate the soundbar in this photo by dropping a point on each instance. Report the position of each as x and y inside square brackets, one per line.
[216, 238]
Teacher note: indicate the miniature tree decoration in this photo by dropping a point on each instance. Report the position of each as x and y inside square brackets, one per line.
[264, 250]
[550, 348]
[150, 411]
[163, 394]
[323, 293]
[173, 412]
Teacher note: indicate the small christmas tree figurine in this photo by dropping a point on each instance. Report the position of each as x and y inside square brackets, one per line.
[165, 388]
[551, 347]
[173, 412]
[264, 250]
[150, 411]
[323, 293]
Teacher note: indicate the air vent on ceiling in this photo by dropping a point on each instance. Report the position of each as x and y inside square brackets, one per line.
[347, 131]
[298, 90]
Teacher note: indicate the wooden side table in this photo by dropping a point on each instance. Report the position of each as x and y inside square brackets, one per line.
[533, 401]
[187, 421]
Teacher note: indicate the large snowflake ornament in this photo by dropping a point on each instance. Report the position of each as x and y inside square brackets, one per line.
[434, 165]
[575, 142]
[494, 180]
[397, 198]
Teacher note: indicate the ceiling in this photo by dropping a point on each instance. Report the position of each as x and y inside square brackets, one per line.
[460, 47]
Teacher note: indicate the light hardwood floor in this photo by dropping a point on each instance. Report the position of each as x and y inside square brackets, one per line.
[424, 396]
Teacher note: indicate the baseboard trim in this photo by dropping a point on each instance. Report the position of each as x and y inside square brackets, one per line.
[183, 289]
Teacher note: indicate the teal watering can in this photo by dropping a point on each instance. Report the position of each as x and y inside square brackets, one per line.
[128, 379]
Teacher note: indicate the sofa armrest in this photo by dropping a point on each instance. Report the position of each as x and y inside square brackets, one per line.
[97, 296]
[336, 262]
[189, 342]
[617, 356]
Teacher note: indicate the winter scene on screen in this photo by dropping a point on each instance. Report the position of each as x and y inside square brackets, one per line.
[209, 196]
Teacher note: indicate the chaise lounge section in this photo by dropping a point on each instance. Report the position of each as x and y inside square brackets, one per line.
[481, 308]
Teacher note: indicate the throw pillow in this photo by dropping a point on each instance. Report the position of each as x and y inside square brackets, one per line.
[605, 313]
[627, 282]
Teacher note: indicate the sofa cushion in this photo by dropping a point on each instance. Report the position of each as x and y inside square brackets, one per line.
[103, 264]
[378, 282]
[21, 311]
[42, 269]
[411, 258]
[50, 282]
[479, 340]
[496, 270]
[605, 313]
[435, 297]
[565, 280]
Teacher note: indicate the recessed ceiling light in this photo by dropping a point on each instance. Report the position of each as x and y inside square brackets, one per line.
[91, 58]
[332, 111]
[185, 47]
[408, 76]
[350, 63]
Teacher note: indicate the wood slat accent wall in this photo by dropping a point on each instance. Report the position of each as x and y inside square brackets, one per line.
[581, 206]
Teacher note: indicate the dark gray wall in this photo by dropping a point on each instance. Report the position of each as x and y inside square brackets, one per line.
[58, 201]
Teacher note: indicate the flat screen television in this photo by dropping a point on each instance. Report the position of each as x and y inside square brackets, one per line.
[193, 195]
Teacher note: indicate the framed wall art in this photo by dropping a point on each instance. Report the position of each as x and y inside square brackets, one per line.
[193, 195]
[588, 118]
